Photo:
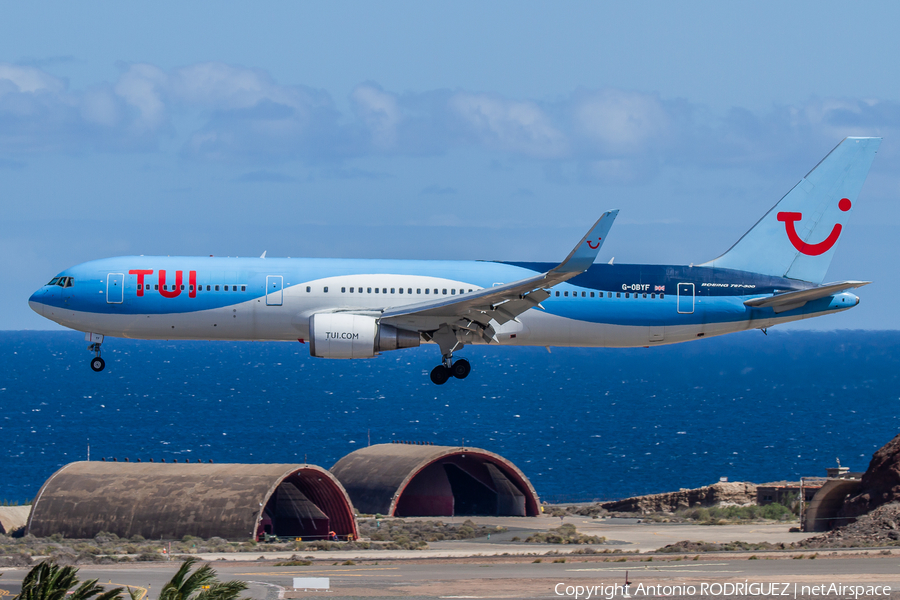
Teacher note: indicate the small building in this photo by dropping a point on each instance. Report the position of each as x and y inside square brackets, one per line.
[171, 500]
[784, 492]
[406, 480]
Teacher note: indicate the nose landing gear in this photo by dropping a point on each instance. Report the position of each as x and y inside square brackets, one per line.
[97, 363]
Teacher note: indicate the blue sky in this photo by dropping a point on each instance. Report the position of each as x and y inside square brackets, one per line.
[439, 130]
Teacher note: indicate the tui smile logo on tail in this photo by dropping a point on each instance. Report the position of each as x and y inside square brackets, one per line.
[822, 247]
[593, 246]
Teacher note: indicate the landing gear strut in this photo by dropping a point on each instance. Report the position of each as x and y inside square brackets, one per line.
[446, 338]
[97, 363]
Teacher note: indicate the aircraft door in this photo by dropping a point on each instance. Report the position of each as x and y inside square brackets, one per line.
[686, 298]
[274, 290]
[115, 288]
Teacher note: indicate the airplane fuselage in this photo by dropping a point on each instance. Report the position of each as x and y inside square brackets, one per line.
[273, 299]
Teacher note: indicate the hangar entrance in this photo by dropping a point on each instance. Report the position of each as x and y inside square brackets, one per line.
[457, 486]
[300, 507]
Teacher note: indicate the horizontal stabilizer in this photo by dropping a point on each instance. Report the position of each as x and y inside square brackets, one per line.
[791, 300]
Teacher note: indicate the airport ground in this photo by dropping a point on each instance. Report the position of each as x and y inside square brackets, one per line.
[501, 568]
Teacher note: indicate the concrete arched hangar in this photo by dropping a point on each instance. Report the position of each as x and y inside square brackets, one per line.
[171, 500]
[406, 480]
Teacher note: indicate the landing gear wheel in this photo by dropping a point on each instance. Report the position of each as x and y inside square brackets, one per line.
[97, 364]
[461, 368]
[440, 374]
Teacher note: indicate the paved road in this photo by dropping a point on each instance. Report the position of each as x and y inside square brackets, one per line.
[512, 577]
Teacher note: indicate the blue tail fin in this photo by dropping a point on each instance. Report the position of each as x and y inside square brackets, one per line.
[798, 236]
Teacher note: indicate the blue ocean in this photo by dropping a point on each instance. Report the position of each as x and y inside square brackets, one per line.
[582, 424]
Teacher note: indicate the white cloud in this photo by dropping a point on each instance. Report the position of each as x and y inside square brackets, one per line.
[28, 80]
[215, 111]
[141, 87]
[621, 122]
[519, 127]
[380, 113]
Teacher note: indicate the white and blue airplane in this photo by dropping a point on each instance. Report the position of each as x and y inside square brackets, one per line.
[358, 308]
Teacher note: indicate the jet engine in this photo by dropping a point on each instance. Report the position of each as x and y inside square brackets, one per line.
[341, 335]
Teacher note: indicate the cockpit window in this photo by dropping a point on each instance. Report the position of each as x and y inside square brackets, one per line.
[54, 281]
[62, 281]
[69, 281]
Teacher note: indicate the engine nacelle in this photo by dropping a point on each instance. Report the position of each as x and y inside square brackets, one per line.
[339, 335]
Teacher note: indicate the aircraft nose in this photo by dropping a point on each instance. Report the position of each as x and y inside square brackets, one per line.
[35, 303]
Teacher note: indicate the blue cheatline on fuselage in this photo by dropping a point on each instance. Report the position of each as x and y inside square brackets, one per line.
[611, 294]
[358, 308]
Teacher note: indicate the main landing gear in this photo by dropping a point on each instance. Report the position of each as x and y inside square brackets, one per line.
[446, 338]
[459, 369]
[97, 363]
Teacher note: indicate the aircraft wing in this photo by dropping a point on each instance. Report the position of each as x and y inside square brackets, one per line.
[791, 300]
[474, 311]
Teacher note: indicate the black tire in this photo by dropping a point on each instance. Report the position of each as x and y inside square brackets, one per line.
[461, 368]
[440, 374]
[98, 364]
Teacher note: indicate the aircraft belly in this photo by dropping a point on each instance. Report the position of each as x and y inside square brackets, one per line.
[237, 322]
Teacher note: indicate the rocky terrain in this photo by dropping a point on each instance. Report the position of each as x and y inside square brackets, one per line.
[739, 493]
[881, 527]
[880, 483]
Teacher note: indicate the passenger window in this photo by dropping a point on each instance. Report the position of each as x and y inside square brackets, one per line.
[351, 290]
[435, 291]
[652, 296]
[369, 290]
[418, 290]
[592, 294]
[645, 295]
[661, 296]
[427, 291]
[308, 289]
[243, 288]
[343, 290]
[557, 294]
[191, 288]
[452, 292]
[326, 289]
[384, 290]
[146, 286]
[628, 294]
[401, 290]
[409, 290]
[376, 290]
[226, 288]
[207, 288]
[217, 288]
[584, 293]
[182, 287]
[392, 290]
[618, 294]
[565, 294]
[444, 291]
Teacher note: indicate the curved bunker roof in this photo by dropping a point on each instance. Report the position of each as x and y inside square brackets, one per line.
[406, 480]
[171, 500]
